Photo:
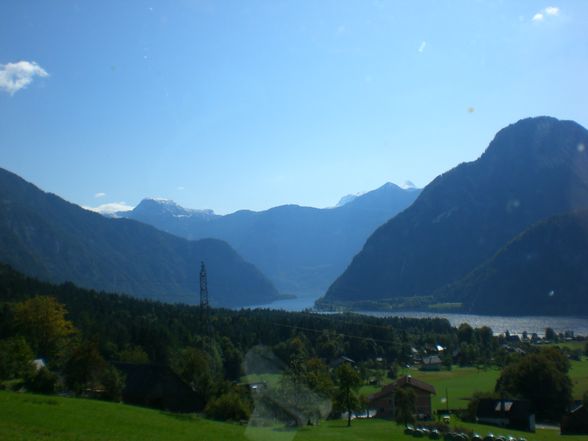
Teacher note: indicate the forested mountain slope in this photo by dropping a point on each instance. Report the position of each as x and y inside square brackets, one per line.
[532, 170]
[44, 236]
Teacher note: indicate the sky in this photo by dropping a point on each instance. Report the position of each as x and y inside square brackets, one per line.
[251, 104]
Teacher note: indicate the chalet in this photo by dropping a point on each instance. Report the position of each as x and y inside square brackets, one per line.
[515, 414]
[383, 401]
[431, 363]
[575, 422]
[159, 387]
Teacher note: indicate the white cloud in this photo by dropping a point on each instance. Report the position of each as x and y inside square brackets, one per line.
[538, 17]
[17, 76]
[422, 46]
[99, 195]
[110, 208]
[550, 11]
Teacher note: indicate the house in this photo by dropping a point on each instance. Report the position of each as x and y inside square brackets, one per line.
[38, 364]
[515, 414]
[383, 401]
[341, 360]
[431, 363]
[575, 422]
[159, 387]
[255, 387]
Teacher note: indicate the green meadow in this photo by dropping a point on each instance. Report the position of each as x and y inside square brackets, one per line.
[461, 382]
[27, 417]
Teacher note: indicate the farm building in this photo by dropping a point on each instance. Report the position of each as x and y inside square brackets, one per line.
[575, 422]
[158, 387]
[383, 401]
[515, 414]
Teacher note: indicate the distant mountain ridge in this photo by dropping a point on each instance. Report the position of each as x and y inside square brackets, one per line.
[532, 170]
[301, 249]
[165, 207]
[46, 237]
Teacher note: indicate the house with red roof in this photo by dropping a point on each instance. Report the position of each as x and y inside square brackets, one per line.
[383, 401]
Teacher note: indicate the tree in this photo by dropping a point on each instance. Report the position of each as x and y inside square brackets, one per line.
[133, 354]
[232, 360]
[305, 390]
[16, 358]
[316, 375]
[404, 404]
[295, 347]
[542, 379]
[41, 320]
[194, 367]
[114, 382]
[392, 373]
[347, 382]
[84, 368]
[329, 344]
[465, 333]
[550, 334]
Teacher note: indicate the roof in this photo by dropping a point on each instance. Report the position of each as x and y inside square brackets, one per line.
[489, 408]
[340, 360]
[407, 380]
[140, 377]
[432, 359]
[39, 363]
[157, 386]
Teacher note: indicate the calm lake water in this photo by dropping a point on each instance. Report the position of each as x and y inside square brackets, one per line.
[499, 324]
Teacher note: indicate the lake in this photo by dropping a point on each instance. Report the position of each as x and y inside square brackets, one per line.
[499, 324]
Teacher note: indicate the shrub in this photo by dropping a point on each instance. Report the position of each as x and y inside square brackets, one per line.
[43, 381]
[228, 406]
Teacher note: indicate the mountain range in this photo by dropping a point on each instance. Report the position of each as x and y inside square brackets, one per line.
[49, 238]
[456, 242]
[504, 234]
[300, 249]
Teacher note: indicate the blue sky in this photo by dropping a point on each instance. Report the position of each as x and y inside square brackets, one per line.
[251, 104]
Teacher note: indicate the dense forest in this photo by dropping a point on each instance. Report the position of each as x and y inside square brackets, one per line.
[85, 336]
[119, 321]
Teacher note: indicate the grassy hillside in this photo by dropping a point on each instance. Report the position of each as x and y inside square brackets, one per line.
[27, 417]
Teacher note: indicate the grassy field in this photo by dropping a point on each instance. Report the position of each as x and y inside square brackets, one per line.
[27, 417]
[579, 376]
[460, 383]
